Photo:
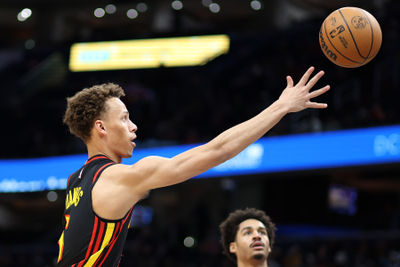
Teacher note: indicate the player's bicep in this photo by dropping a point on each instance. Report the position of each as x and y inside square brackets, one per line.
[155, 172]
[151, 172]
[168, 171]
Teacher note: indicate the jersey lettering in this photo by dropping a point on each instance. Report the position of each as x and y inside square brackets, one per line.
[73, 197]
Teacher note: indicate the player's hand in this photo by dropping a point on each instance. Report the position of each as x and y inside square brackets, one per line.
[298, 97]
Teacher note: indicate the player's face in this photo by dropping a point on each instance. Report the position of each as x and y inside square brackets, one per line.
[119, 128]
[251, 243]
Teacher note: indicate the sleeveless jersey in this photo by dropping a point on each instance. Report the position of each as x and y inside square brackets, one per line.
[87, 239]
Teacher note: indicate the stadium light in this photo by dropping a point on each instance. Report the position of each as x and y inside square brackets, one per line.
[111, 9]
[214, 8]
[24, 14]
[177, 5]
[255, 4]
[141, 7]
[99, 12]
[132, 13]
[206, 3]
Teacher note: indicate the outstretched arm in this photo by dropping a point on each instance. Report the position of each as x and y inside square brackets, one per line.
[158, 172]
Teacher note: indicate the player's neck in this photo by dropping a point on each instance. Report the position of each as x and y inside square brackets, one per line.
[94, 150]
[252, 264]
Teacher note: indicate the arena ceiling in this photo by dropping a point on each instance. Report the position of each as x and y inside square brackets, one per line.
[59, 20]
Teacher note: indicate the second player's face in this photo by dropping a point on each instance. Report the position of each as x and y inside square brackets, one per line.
[120, 129]
[251, 243]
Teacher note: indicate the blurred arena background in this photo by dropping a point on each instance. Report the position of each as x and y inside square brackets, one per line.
[178, 226]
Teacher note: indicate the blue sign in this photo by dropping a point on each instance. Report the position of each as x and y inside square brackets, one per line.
[95, 56]
[357, 147]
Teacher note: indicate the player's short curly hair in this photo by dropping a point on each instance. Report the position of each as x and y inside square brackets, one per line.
[230, 226]
[87, 105]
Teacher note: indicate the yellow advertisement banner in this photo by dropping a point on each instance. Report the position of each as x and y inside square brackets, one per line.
[147, 53]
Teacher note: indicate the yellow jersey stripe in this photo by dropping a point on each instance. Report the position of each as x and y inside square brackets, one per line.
[61, 240]
[61, 246]
[106, 241]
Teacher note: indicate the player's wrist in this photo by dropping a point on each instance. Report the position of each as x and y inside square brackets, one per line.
[280, 107]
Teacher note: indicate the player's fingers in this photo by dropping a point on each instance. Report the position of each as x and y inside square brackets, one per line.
[289, 81]
[319, 91]
[315, 79]
[306, 76]
[316, 105]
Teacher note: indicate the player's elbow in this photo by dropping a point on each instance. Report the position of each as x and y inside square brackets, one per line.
[224, 153]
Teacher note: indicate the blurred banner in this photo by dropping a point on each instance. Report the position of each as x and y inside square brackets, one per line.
[379, 145]
[147, 53]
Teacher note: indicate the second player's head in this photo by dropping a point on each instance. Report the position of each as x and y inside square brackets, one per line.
[247, 235]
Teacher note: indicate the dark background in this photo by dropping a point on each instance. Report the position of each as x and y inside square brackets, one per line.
[194, 104]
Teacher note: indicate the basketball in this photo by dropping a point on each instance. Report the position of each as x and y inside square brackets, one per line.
[350, 37]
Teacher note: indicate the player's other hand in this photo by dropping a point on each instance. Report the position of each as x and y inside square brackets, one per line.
[298, 97]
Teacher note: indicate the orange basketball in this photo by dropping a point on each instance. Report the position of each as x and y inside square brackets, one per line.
[350, 37]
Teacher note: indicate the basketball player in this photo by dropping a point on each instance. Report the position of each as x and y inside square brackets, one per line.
[247, 237]
[102, 193]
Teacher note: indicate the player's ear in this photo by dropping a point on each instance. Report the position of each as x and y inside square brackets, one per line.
[99, 126]
[232, 247]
